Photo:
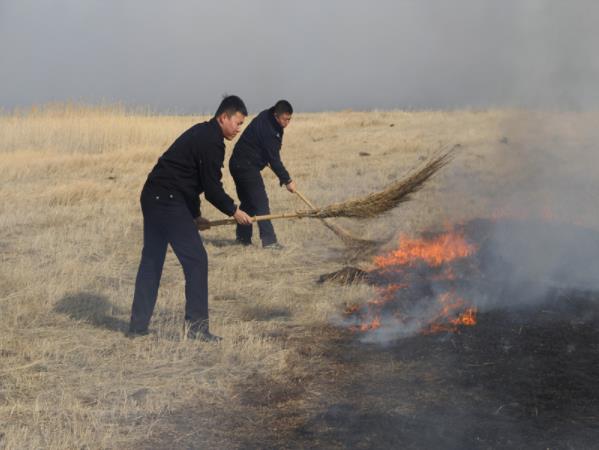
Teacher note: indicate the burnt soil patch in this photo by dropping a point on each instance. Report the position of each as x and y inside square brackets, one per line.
[520, 378]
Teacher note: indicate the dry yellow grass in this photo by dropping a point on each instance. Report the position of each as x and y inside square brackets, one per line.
[70, 241]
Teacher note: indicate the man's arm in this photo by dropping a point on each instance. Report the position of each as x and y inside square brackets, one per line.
[211, 173]
[272, 146]
[211, 166]
[279, 169]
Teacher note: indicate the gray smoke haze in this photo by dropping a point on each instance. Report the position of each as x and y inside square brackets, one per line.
[542, 247]
[181, 56]
[519, 264]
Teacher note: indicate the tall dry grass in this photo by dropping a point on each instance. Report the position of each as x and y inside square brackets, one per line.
[70, 241]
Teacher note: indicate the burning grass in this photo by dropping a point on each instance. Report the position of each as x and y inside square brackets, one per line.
[437, 283]
[404, 303]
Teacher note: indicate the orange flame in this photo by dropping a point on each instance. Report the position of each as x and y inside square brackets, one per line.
[451, 311]
[446, 319]
[434, 252]
[373, 325]
[467, 318]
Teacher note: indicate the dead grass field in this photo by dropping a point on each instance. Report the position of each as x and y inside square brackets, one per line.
[70, 242]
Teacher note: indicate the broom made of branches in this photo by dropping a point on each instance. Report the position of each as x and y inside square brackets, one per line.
[371, 205]
[348, 239]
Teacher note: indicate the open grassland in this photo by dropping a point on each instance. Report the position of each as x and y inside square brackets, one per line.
[70, 241]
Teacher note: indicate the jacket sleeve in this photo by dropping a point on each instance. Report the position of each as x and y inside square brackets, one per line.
[211, 174]
[272, 148]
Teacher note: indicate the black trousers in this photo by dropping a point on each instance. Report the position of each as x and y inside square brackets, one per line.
[167, 220]
[254, 201]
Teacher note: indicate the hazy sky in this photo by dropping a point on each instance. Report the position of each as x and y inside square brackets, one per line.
[182, 55]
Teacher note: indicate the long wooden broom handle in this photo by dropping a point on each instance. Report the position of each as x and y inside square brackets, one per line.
[304, 199]
[292, 215]
[231, 221]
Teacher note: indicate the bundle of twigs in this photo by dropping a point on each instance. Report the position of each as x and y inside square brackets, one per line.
[379, 202]
[347, 238]
[371, 205]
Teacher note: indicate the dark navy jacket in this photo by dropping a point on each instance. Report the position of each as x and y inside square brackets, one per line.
[192, 165]
[260, 146]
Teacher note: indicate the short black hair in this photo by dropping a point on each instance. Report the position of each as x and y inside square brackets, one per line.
[231, 104]
[283, 107]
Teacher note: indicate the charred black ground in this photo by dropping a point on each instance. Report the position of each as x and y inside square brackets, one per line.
[525, 378]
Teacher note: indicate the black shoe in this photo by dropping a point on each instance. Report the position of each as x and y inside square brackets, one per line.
[204, 336]
[273, 246]
[133, 333]
[199, 331]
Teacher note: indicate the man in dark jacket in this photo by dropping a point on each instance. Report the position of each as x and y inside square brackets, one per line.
[171, 210]
[260, 146]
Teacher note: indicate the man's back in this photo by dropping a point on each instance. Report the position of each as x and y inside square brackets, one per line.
[262, 136]
[260, 145]
[192, 165]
